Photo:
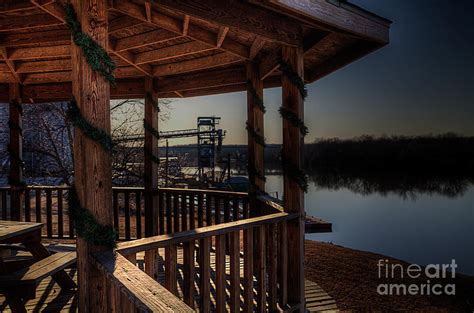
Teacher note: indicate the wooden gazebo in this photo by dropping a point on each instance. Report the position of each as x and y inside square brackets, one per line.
[175, 49]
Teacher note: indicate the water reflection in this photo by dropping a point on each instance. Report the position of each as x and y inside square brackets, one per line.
[403, 185]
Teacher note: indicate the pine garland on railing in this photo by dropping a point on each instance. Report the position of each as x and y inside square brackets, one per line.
[293, 77]
[98, 135]
[253, 133]
[86, 224]
[256, 98]
[295, 173]
[84, 221]
[294, 120]
[95, 54]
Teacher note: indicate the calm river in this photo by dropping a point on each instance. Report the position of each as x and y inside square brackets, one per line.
[427, 228]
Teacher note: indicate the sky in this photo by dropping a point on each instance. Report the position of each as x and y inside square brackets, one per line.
[421, 83]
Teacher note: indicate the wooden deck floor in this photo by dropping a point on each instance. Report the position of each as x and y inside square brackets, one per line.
[50, 298]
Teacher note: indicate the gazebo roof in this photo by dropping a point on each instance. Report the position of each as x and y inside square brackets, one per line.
[192, 47]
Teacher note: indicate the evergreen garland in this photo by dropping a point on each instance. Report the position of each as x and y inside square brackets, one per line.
[256, 98]
[294, 120]
[151, 129]
[84, 221]
[293, 77]
[96, 55]
[253, 133]
[86, 224]
[295, 173]
[153, 157]
[98, 135]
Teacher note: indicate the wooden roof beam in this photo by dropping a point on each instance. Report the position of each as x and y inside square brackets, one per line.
[129, 58]
[221, 35]
[245, 16]
[271, 62]
[17, 6]
[37, 53]
[52, 8]
[29, 39]
[174, 25]
[202, 63]
[122, 22]
[10, 64]
[257, 45]
[186, 19]
[172, 52]
[144, 39]
[27, 22]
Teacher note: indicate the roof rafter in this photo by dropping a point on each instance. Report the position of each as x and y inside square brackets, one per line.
[10, 64]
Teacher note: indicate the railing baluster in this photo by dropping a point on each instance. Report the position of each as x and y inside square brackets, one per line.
[38, 205]
[200, 210]
[184, 219]
[60, 214]
[176, 212]
[248, 270]
[261, 269]
[27, 205]
[49, 214]
[283, 277]
[205, 274]
[272, 266]
[4, 204]
[115, 205]
[188, 288]
[138, 214]
[170, 269]
[161, 211]
[208, 209]
[71, 226]
[235, 271]
[192, 210]
[127, 214]
[220, 274]
[169, 222]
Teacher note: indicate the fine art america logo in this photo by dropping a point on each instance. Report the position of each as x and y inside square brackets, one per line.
[423, 278]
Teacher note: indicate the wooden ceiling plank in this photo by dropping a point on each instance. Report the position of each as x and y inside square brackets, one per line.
[148, 10]
[121, 23]
[244, 16]
[37, 53]
[43, 66]
[52, 8]
[174, 25]
[57, 37]
[144, 39]
[172, 52]
[195, 64]
[52, 77]
[27, 22]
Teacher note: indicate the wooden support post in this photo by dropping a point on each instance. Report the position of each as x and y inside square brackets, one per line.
[255, 122]
[15, 150]
[293, 194]
[151, 175]
[92, 164]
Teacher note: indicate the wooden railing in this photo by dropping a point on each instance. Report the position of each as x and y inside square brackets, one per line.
[179, 209]
[259, 244]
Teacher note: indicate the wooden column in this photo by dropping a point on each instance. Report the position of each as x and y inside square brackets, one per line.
[151, 174]
[15, 148]
[293, 194]
[255, 120]
[92, 164]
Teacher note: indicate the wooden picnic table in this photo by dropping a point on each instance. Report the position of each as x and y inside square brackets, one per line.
[29, 235]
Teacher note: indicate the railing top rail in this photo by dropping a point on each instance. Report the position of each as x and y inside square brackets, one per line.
[272, 202]
[161, 241]
[146, 294]
[208, 191]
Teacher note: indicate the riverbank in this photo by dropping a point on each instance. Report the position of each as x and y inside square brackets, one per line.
[351, 278]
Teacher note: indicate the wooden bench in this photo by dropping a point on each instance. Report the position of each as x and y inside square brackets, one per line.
[21, 285]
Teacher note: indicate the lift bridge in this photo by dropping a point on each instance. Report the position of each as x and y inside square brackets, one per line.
[209, 140]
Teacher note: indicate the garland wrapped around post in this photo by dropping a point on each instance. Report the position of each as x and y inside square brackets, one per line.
[288, 167]
[85, 223]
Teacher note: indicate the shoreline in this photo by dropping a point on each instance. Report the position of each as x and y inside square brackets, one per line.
[351, 277]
